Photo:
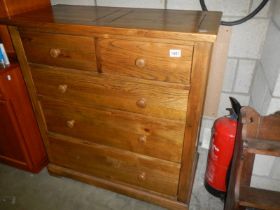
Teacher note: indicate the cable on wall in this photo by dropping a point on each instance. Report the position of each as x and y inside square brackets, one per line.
[242, 20]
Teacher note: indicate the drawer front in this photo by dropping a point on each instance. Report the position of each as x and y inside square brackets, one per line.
[60, 50]
[157, 138]
[121, 94]
[116, 165]
[153, 61]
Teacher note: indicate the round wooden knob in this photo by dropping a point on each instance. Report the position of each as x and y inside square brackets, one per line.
[62, 88]
[141, 103]
[142, 176]
[54, 52]
[140, 62]
[70, 123]
[142, 139]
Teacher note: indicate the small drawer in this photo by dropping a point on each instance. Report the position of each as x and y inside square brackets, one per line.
[116, 165]
[60, 50]
[146, 60]
[106, 91]
[156, 138]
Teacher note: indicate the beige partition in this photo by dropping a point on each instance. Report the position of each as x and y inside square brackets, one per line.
[217, 69]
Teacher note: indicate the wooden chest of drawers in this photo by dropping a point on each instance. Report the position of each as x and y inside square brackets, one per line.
[119, 94]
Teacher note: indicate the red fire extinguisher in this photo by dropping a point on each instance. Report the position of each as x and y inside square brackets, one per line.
[221, 151]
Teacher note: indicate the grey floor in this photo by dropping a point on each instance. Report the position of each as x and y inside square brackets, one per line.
[21, 190]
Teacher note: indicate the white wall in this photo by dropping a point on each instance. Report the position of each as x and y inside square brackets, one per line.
[74, 2]
[265, 97]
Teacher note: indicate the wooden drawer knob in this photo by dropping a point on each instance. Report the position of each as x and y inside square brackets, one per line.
[70, 123]
[54, 52]
[141, 103]
[140, 62]
[62, 88]
[142, 139]
[142, 176]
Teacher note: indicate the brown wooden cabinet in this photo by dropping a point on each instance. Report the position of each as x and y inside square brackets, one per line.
[10, 141]
[13, 7]
[20, 140]
[119, 93]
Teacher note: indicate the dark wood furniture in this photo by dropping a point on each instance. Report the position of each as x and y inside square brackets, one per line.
[119, 93]
[21, 144]
[9, 8]
[20, 140]
[256, 135]
[6, 40]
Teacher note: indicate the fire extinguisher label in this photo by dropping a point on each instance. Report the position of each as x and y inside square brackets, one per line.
[216, 148]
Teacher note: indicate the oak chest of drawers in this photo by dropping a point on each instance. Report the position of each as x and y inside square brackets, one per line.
[118, 94]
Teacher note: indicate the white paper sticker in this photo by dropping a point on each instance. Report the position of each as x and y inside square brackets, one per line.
[175, 53]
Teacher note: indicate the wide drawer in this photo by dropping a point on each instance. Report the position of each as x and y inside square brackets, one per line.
[105, 162]
[117, 93]
[60, 50]
[146, 60]
[152, 136]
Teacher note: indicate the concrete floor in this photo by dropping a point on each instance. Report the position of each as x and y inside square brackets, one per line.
[21, 190]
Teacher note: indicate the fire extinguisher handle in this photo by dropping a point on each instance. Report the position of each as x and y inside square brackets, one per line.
[235, 106]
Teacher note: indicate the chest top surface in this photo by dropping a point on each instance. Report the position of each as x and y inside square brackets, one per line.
[200, 26]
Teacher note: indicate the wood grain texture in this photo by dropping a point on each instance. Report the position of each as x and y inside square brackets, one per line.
[247, 172]
[201, 59]
[146, 60]
[25, 69]
[20, 141]
[129, 190]
[21, 144]
[3, 9]
[263, 147]
[14, 7]
[216, 72]
[268, 124]
[171, 24]
[253, 137]
[60, 50]
[12, 152]
[6, 39]
[129, 123]
[259, 198]
[112, 164]
[111, 92]
[150, 136]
